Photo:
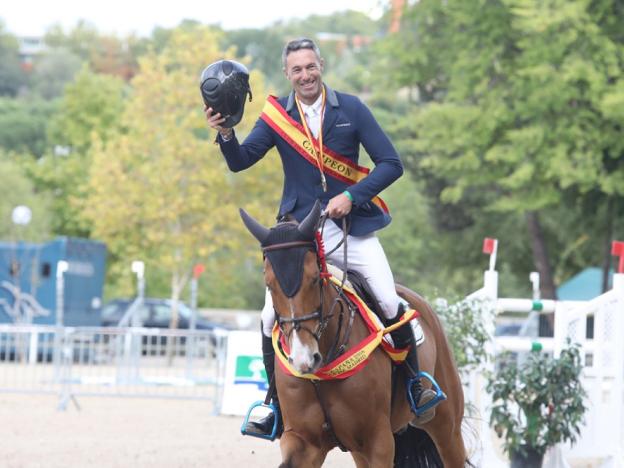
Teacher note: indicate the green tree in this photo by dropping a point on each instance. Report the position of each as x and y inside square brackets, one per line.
[343, 38]
[105, 53]
[347, 22]
[90, 108]
[92, 102]
[23, 124]
[52, 71]
[12, 77]
[159, 190]
[263, 49]
[520, 125]
[17, 190]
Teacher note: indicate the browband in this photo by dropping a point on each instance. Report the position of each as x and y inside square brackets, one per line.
[288, 245]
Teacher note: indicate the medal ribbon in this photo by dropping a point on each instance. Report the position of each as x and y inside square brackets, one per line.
[318, 147]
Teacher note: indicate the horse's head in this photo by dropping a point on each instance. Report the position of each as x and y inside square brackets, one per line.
[292, 274]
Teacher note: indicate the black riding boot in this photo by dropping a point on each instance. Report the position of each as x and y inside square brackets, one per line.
[402, 338]
[265, 425]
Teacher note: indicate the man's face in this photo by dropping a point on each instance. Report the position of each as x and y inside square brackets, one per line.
[304, 71]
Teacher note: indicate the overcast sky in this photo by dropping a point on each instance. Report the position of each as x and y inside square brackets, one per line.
[33, 17]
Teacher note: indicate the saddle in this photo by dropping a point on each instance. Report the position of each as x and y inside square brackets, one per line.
[358, 283]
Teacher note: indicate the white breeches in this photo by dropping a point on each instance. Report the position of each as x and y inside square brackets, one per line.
[366, 256]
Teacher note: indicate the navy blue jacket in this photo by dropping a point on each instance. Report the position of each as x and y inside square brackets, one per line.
[346, 124]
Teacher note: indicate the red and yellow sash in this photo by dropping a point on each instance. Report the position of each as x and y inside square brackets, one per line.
[294, 134]
[355, 358]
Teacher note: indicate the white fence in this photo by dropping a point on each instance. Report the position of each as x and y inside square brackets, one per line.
[602, 435]
[145, 362]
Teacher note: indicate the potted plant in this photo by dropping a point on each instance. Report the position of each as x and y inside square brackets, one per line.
[536, 403]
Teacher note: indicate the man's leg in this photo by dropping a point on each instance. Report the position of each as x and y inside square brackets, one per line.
[403, 337]
[367, 257]
[265, 425]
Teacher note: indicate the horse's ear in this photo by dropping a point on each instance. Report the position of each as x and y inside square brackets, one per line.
[309, 224]
[258, 230]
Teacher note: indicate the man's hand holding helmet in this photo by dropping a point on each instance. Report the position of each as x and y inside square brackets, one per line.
[216, 120]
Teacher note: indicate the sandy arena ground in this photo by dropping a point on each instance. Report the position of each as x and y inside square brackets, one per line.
[129, 432]
[116, 432]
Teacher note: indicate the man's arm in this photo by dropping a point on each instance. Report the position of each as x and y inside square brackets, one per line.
[239, 157]
[388, 166]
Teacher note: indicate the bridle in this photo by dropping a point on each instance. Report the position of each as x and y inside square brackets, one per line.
[338, 306]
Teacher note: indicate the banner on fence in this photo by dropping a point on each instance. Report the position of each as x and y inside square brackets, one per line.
[245, 377]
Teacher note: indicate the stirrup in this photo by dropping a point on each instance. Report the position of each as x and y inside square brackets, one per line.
[247, 427]
[440, 396]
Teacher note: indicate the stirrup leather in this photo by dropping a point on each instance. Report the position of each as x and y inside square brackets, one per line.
[415, 381]
[248, 429]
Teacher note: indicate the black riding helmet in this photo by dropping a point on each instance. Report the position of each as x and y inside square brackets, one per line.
[224, 86]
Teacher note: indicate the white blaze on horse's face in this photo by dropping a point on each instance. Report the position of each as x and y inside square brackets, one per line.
[299, 331]
[304, 356]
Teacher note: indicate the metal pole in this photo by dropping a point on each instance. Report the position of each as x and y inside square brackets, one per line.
[193, 322]
[191, 339]
[534, 277]
[61, 268]
[138, 267]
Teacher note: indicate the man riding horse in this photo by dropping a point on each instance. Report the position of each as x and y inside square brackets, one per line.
[318, 132]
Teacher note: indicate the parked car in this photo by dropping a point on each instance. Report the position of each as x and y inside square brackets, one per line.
[156, 313]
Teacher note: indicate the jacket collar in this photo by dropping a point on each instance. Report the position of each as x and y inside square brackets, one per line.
[330, 95]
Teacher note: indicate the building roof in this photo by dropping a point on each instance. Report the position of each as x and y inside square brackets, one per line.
[583, 286]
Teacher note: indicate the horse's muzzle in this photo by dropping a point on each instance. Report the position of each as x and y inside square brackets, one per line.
[317, 360]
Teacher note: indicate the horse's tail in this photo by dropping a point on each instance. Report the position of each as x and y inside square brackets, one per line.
[413, 448]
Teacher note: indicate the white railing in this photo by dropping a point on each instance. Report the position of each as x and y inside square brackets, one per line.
[602, 435]
[81, 361]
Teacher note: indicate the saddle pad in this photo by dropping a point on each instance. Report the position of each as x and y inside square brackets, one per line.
[416, 328]
[338, 273]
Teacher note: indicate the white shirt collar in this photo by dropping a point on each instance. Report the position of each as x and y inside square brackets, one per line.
[314, 108]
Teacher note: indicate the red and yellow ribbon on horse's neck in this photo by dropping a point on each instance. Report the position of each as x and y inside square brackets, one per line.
[355, 358]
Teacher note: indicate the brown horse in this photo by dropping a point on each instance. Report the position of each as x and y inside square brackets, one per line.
[359, 413]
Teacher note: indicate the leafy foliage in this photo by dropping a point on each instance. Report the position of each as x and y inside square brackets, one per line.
[539, 402]
[464, 324]
[91, 103]
[11, 74]
[159, 190]
[17, 190]
[517, 108]
[515, 112]
[23, 124]
[105, 54]
[53, 71]
[89, 109]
